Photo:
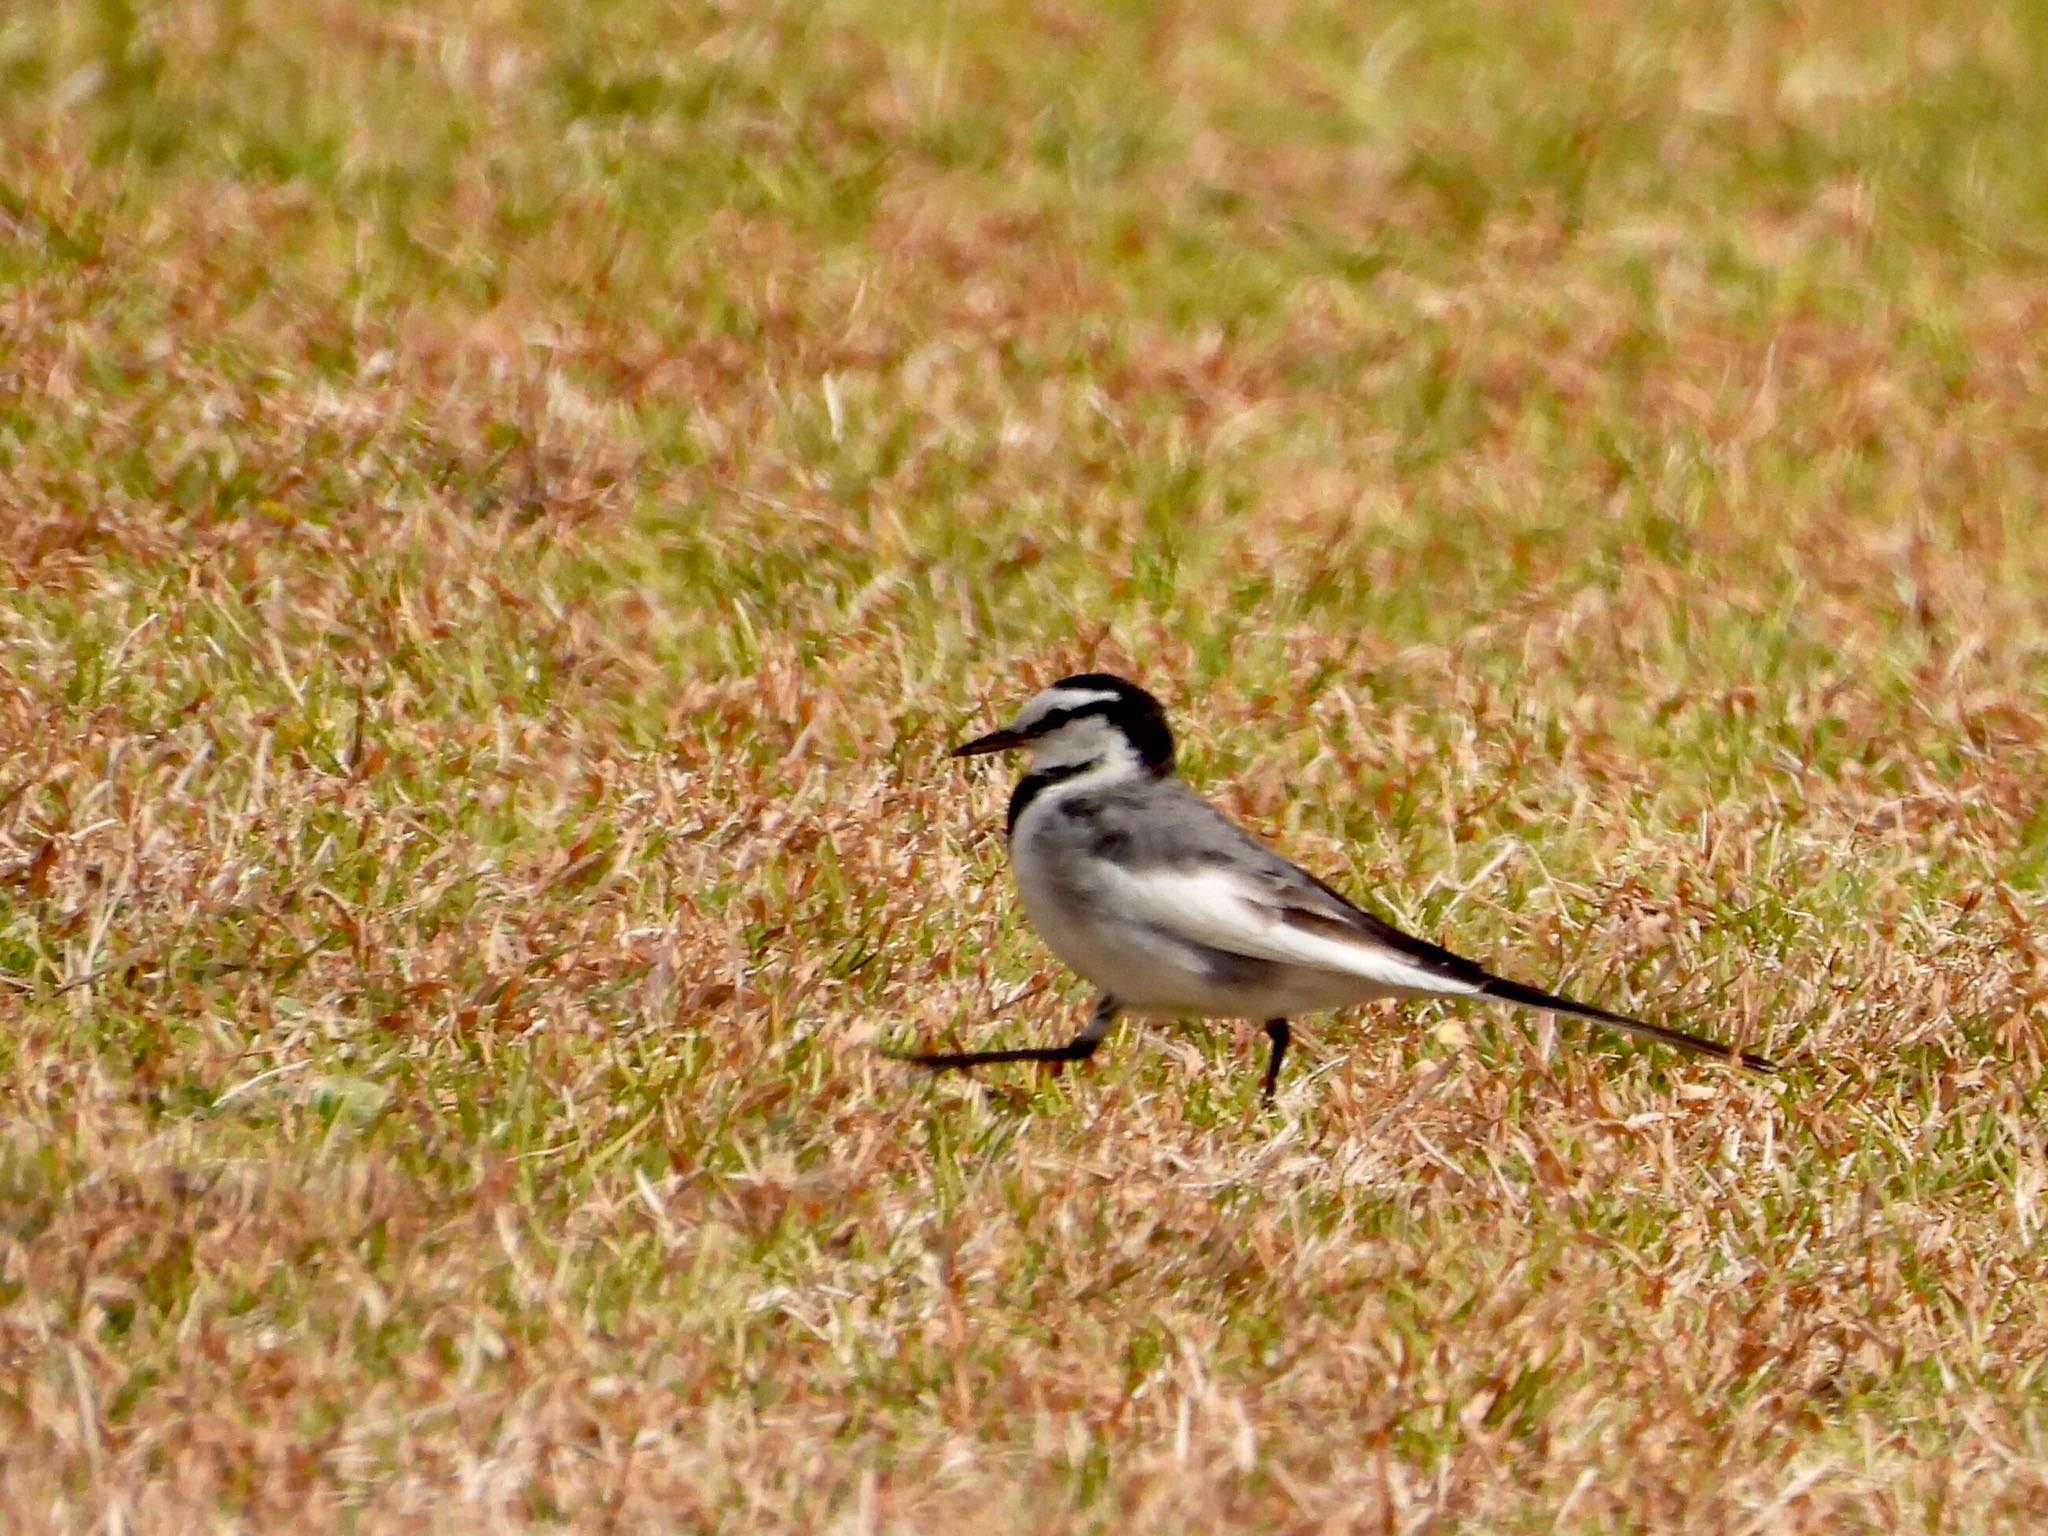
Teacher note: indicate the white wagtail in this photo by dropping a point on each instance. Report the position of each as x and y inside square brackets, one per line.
[1170, 909]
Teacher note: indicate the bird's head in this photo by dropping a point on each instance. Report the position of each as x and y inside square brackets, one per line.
[1093, 717]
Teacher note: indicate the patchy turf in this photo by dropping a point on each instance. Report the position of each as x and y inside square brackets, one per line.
[501, 513]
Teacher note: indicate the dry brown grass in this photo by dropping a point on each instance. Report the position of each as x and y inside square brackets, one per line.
[501, 514]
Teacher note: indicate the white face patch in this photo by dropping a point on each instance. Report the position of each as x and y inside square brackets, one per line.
[1089, 739]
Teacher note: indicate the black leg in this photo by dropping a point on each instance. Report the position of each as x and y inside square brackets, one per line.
[1080, 1048]
[1277, 1032]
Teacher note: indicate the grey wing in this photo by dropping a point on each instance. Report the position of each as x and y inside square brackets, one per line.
[1181, 836]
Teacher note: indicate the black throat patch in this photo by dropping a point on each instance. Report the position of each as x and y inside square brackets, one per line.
[1036, 783]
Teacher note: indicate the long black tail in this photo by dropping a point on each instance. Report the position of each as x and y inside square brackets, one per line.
[1531, 997]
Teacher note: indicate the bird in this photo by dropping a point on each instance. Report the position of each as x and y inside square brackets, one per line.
[1169, 909]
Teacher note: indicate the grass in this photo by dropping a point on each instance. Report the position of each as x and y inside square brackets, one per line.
[505, 507]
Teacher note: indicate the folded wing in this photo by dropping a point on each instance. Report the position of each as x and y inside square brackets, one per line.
[1281, 915]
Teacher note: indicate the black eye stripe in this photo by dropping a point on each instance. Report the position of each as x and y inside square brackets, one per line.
[1134, 713]
[1060, 717]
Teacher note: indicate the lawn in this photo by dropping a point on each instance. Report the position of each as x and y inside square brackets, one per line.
[505, 505]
